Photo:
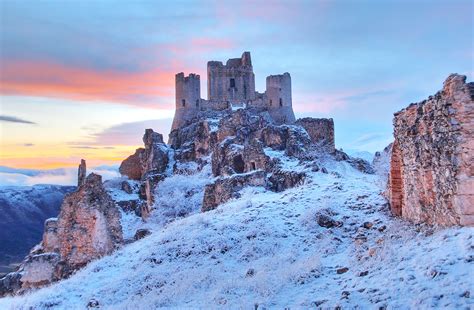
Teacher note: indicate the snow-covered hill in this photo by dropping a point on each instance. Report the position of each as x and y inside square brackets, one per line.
[327, 243]
[23, 211]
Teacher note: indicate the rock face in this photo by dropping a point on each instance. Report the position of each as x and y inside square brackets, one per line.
[321, 131]
[149, 165]
[228, 187]
[132, 166]
[292, 139]
[88, 225]
[87, 228]
[191, 142]
[50, 235]
[280, 180]
[431, 171]
[81, 173]
[230, 158]
[155, 157]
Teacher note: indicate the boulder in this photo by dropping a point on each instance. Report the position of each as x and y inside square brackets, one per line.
[142, 233]
[132, 165]
[281, 180]
[39, 270]
[226, 188]
[126, 187]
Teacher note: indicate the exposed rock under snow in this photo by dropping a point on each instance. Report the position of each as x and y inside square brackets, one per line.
[269, 249]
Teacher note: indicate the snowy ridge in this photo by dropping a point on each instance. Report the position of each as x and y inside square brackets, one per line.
[267, 249]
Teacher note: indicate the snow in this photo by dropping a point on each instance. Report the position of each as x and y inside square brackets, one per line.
[285, 163]
[129, 221]
[266, 249]
[368, 156]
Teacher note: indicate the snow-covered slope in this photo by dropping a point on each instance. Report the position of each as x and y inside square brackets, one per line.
[267, 249]
[23, 210]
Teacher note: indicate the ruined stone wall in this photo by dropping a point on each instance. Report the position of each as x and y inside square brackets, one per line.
[432, 175]
[233, 82]
[229, 86]
[214, 105]
[188, 98]
[321, 131]
[278, 96]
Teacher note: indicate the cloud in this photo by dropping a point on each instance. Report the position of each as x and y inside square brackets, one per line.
[125, 134]
[28, 144]
[55, 80]
[63, 176]
[13, 119]
[372, 141]
[86, 147]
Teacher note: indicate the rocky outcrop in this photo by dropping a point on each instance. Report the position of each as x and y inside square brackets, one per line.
[88, 227]
[191, 142]
[88, 224]
[132, 166]
[431, 174]
[50, 241]
[39, 270]
[151, 160]
[294, 140]
[320, 130]
[230, 157]
[156, 154]
[226, 188]
[149, 165]
[281, 180]
[81, 173]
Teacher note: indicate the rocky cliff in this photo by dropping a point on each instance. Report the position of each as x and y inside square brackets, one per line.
[242, 148]
[88, 227]
[431, 174]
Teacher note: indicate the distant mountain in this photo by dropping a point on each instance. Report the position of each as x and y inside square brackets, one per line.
[368, 156]
[23, 211]
[31, 172]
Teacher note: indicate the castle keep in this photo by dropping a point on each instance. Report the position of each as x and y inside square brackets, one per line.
[232, 86]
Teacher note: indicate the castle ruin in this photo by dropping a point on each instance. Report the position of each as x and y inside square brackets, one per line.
[232, 86]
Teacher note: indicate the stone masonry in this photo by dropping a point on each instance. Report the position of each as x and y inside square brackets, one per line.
[432, 162]
[229, 86]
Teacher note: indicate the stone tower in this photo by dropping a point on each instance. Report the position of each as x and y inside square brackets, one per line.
[279, 101]
[188, 98]
[233, 82]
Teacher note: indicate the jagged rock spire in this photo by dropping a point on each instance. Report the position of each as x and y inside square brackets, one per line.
[81, 173]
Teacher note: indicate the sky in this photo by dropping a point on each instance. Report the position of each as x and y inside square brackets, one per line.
[83, 79]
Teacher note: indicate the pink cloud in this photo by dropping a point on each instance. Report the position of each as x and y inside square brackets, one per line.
[55, 80]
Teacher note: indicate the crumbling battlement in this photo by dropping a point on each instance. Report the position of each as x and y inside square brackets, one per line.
[232, 85]
[431, 174]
